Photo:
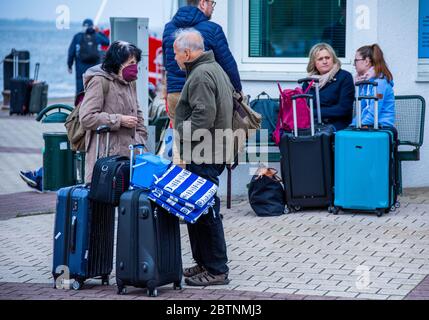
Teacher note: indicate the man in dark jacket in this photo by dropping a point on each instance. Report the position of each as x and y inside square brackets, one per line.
[196, 15]
[84, 50]
[203, 116]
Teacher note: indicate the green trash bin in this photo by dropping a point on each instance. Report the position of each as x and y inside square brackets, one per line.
[58, 158]
[57, 162]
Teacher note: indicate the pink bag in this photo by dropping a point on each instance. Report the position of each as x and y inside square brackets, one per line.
[285, 117]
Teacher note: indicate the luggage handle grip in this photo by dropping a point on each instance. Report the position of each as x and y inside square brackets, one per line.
[365, 82]
[309, 79]
[299, 96]
[103, 129]
[367, 98]
[73, 235]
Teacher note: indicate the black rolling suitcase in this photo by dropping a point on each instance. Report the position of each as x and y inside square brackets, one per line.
[16, 64]
[83, 237]
[20, 90]
[307, 161]
[39, 93]
[148, 250]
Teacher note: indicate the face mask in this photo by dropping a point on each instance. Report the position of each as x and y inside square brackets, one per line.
[130, 72]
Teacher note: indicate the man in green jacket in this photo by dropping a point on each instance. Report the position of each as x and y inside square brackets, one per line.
[203, 120]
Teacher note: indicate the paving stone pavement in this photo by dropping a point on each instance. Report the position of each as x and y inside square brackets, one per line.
[311, 253]
[308, 254]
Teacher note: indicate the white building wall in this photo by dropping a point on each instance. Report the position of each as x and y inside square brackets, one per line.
[392, 23]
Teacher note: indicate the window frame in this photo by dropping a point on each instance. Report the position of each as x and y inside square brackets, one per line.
[298, 63]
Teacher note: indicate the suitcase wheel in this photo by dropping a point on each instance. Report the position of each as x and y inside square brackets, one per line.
[333, 210]
[77, 285]
[105, 280]
[380, 213]
[177, 286]
[297, 208]
[287, 210]
[152, 293]
[122, 291]
[397, 205]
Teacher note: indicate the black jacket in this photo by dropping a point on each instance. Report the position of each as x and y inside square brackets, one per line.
[336, 100]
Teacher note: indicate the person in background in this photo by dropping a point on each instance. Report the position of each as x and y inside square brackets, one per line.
[370, 65]
[196, 14]
[337, 90]
[111, 99]
[85, 51]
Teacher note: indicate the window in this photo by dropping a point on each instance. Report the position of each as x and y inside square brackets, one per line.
[182, 3]
[289, 28]
[424, 30]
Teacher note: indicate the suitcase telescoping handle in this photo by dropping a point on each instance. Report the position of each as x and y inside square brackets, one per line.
[100, 130]
[15, 58]
[36, 71]
[295, 121]
[317, 89]
[132, 147]
[366, 97]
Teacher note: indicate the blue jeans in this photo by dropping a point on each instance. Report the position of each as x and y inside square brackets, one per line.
[207, 236]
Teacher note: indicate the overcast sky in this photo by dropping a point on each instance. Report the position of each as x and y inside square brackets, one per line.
[158, 11]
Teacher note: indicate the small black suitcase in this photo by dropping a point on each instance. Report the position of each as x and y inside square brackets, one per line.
[111, 174]
[148, 250]
[20, 92]
[307, 163]
[39, 93]
[16, 64]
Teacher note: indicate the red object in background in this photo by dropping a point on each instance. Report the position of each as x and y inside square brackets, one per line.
[155, 60]
[106, 32]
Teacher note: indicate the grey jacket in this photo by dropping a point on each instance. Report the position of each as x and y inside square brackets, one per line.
[205, 103]
[98, 109]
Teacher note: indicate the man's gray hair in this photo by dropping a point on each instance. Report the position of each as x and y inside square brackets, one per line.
[185, 39]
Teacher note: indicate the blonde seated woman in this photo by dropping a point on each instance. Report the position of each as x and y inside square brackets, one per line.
[337, 91]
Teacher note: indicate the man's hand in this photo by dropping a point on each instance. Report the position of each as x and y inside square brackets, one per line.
[70, 70]
[129, 121]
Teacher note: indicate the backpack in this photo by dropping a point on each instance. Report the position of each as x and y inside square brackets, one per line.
[285, 117]
[243, 118]
[269, 109]
[88, 52]
[75, 132]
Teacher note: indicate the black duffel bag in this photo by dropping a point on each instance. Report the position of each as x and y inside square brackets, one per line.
[266, 193]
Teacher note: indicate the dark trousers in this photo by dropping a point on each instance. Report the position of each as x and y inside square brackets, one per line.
[207, 236]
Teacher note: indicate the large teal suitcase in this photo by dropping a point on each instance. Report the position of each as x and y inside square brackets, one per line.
[365, 167]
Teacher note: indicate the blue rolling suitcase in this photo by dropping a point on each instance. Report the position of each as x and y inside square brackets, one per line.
[83, 236]
[365, 165]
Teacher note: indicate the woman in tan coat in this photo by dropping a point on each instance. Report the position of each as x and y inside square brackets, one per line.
[111, 99]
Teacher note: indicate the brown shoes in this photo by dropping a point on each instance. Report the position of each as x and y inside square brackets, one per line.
[207, 279]
[192, 271]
